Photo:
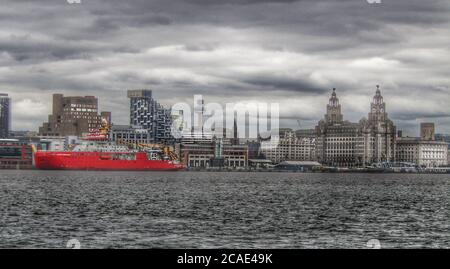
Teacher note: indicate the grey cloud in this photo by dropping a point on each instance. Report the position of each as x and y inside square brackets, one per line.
[102, 47]
[277, 83]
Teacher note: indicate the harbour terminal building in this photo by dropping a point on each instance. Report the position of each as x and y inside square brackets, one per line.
[345, 144]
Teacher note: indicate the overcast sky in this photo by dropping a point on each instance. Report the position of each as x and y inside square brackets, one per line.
[291, 52]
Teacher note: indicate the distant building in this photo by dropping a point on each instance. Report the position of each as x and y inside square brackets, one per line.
[306, 133]
[425, 153]
[302, 166]
[339, 142]
[5, 115]
[427, 131]
[205, 150]
[131, 135]
[344, 144]
[254, 150]
[445, 138]
[290, 148]
[15, 154]
[73, 116]
[379, 133]
[204, 155]
[148, 114]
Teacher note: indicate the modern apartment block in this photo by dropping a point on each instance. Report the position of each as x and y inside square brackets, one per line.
[5, 115]
[146, 113]
[73, 116]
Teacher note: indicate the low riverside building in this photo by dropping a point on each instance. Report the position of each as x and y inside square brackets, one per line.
[260, 163]
[300, 166]
[205, 151]
[205, 155]
[425, 153]
[15, 154]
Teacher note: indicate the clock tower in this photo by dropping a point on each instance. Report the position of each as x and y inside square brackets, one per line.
[378, 108]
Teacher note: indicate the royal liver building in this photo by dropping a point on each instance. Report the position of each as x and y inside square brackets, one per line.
[345, 144]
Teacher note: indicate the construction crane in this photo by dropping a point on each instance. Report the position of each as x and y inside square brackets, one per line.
[167, 150]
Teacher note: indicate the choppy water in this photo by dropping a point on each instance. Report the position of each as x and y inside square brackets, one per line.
[222, 210]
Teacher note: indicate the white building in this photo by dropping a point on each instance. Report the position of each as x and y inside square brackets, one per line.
[290, 148]
[426, 153]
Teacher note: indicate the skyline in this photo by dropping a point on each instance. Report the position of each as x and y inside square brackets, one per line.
[332, 92]
[290, 52]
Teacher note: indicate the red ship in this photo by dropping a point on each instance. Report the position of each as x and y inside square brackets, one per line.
[96, 153]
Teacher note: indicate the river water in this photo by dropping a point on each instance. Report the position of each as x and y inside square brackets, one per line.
[46, 209]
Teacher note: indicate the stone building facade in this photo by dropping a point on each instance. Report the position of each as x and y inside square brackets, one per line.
[426, 153]
[345, 144]
[291, 148]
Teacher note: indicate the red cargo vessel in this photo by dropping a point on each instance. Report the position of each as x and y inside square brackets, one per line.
[96, 153]
[119, 161]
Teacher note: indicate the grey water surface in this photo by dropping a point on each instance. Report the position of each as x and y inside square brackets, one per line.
[46, 209]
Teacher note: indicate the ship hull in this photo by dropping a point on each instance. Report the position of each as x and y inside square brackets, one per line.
[98, 161]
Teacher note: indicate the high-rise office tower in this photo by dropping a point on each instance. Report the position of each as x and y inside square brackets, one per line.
[5, 115]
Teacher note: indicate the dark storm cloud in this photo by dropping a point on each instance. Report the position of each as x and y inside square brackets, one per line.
[277, 83]
[25, 47]
[287, 51]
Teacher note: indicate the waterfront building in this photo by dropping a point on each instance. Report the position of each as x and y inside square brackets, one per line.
[299, 166]
[73, 116]
[5, 115]
[204, 155]
[131, 135]
[290, 148]
[379, 133]
[426, 153]
[146, 113]
[446, 138]
[345, 144]
[260, 164]
[254, 150]
[306, 133]
[339, 142]
[15, 154]
[427, 131]
[205, 150]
